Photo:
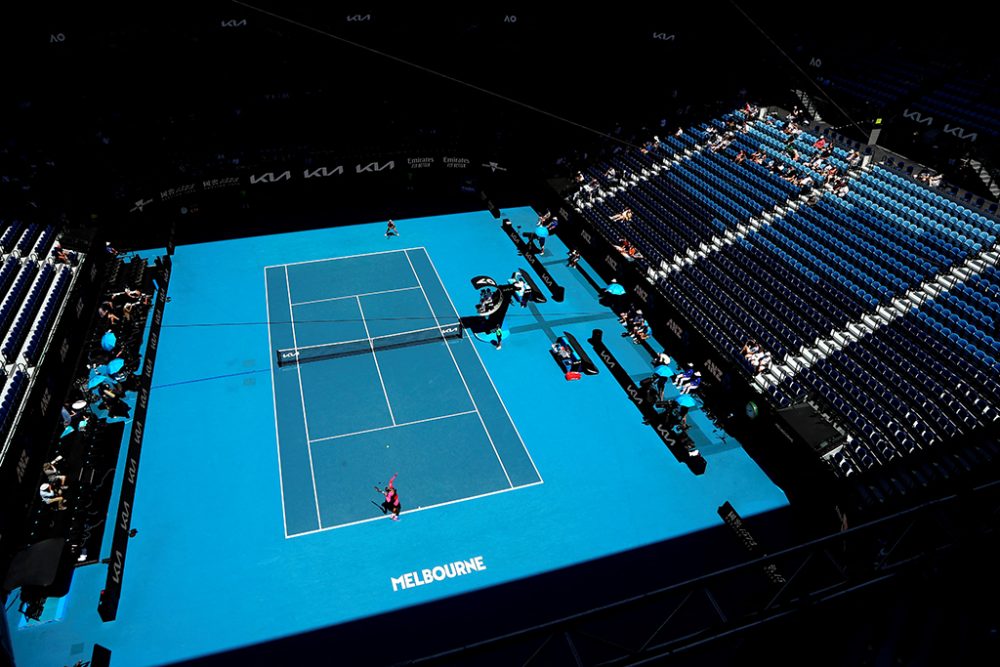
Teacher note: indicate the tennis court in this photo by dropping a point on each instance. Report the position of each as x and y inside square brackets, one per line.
[254, 496]
[371, 377]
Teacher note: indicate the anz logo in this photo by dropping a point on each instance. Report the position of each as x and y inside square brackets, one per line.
[641, 293]
[584, 234]
[610, 261]
[22, 465]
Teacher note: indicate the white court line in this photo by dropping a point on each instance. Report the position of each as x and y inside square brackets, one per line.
[353, 296]
[460, 374]
[384, 428]
[334, 259]
[414, 511]
[302, 396]
[274, 397]
[489, 377]
[378, 370]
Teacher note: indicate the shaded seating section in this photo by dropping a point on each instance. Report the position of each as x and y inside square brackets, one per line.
[86, 448]
[966, 103]
[43, 323]
[802, 274]
[892, 81]
[924, 379]
[33, 288]
[27, 239]
[15, 385]
[89, 457]
[18, 332]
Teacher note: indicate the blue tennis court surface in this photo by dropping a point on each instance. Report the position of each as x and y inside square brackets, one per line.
[254, 505]
[427, 407]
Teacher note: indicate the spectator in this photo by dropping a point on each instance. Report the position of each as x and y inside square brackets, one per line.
[763, 362]
[50, 496]
[61, 255]
[624, 216]
[640, 331]
[627, 314]
[119, 299]
[106, 312]
[52, 474]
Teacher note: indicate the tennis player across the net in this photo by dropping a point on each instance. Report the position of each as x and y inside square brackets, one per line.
[305, 353]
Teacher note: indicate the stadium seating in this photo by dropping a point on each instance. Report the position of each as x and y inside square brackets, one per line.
[33, 288]
[879, 304]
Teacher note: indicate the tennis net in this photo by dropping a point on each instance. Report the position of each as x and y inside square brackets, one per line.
[346, 348]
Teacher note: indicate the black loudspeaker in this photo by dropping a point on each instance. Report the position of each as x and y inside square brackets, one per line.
[101, 656]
